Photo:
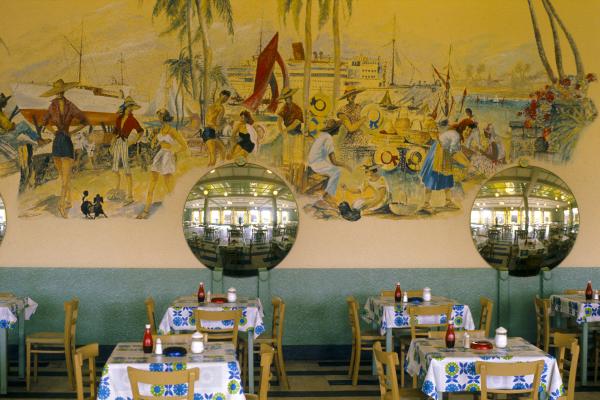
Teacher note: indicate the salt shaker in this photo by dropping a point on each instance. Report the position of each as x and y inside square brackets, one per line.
[426, 294]
[231, 295]
[405, 297]
[208, 297]
[596, 295]
[501, 338]
[158, 350]
[466, 341]
[197, 343]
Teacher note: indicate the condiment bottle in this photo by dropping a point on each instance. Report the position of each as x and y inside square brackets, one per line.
[201, 294]
[147, 342]
[398, 293]
[450, 337]
[588, 291]
[158, 350]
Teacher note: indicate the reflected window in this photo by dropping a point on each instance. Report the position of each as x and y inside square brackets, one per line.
[196, 217]
[254, 217]
[265, 216]
[227, 217]
[215, 217]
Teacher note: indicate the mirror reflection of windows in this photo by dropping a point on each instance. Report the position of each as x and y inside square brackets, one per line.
[523, 220]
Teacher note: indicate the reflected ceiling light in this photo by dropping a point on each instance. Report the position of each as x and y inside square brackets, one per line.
[225, 208]
[229, 203]
[225, 194]
[497, 194]
[555, 197]
[510, 190]
[251, 203]
[206, 192]
[501, 203]
[269, 171]
[213, 171]
[477, 204]
[256, 208]
[255, 194]
[275, 192]
[512, 208]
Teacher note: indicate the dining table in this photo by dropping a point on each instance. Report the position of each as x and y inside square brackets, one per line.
[180, 317]
[388, 314]
[529, 247]
[220, 374]
[450, 370]
[14, 310]
[583, 311]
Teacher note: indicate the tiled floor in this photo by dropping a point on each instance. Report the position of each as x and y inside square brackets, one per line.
[309, 380]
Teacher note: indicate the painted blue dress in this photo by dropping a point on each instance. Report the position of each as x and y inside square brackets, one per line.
[432, 179]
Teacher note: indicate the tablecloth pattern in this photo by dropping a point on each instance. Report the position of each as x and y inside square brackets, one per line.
[219, 373]
[180, 315]
[9, 308]
[576, 306]
[453, 370]
[386, 313]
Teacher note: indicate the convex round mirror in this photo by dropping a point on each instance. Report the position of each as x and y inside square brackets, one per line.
[2, 220]
[240, 218]
[524, 219]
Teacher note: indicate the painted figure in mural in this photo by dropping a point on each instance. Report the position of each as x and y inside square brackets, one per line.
[58, 119]
[467, 122]
[124, 125]
[349, 114]
[247, 136]
[322, 160]
[164, 163]
[374, 192]
[495, 148]
[289, 122]
[84, 145]
[214, 127]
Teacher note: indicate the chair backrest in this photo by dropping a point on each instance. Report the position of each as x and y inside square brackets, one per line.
[278, 317]
[266, 359]
[230, 332]
[416, 311]
[567, 366]
[573, 291]
[459, 335]
[88, 352]
[353, 318]
[542, 319]
[137, 376]
[71, 315]
[150, 306]
[485, 321]
[409, 293]
[534, 368]
[385, 363]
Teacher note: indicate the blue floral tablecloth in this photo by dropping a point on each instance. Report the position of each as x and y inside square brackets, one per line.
[453, 370]
[180, 315]
[576, 306]
[386, 313]
[219, 373]
[10, 305]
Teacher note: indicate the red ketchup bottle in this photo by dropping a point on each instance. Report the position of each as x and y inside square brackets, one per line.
[450, 337]
[201, 293]
[589, 293]
[398, 293]
[147, 343]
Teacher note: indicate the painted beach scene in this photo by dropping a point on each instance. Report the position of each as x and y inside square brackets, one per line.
[384, 110]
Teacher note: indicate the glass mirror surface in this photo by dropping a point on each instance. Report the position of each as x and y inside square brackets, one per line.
[524, 219]
[2, 220]
[241, 219]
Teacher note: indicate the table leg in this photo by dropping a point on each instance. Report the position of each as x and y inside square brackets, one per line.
[388, 340]
[250, 360]
[3, 361]
[584, 351]
[22, 343]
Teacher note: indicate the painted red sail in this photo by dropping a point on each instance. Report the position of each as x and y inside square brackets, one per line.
[265, 76]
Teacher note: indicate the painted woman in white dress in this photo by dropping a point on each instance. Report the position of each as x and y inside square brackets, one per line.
[164, 162]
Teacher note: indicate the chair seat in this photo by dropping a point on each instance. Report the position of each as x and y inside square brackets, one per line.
[371, 335]
[404, 394]
[266, 338]
[251, 397]
[46, 338]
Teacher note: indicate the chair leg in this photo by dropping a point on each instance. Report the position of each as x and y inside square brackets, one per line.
[282, 374]
[401, 364]
[356, 364]
[351, 366]
[70, 372]
[28, 367]
[35, 367]
[596, 356]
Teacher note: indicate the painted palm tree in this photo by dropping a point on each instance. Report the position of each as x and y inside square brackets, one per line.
[540, 44]
[3, 43]
[206, 11]
[557, 49]
[179, 70]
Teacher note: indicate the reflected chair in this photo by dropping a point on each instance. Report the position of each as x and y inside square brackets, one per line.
[409, 293]
[567, 366]
[185, 377]
[485, 320]
[385, 364]
[534, 368]
[86, 353]
[229, 333]
[266, 359]
[545, 333]
[459, 335]
[361, 340]
[54, 343]
[149, 302]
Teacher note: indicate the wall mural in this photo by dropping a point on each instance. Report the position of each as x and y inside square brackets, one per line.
[524, 219]
[240, 218]
[113, 103]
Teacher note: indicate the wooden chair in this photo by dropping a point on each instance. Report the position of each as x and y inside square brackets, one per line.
[230, 334]
[150, 313]
[54, 343]
[137, 376]
[89, 353]
[409, 293]
[385, 363]
[486, 369]
[545, 334]
[564, 342]
[418, 329]
[485, 320]
[266, 359]
[361, 340]
[459, 335]
[573, 291]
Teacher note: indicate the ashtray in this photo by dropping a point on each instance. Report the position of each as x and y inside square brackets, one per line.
[174, 351]
[481, 345]
[415, 300]
[218, 300]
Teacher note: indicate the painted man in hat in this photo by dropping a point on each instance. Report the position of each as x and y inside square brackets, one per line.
[6, 123]
[214, 126]
[124, 125]
[58, 120]
[322, 160]
[289, 121]
[349, 114]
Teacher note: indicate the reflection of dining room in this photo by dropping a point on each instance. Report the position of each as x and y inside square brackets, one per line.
[524, 220]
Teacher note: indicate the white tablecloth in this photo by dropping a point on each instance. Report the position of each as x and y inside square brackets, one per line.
[9, 309]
